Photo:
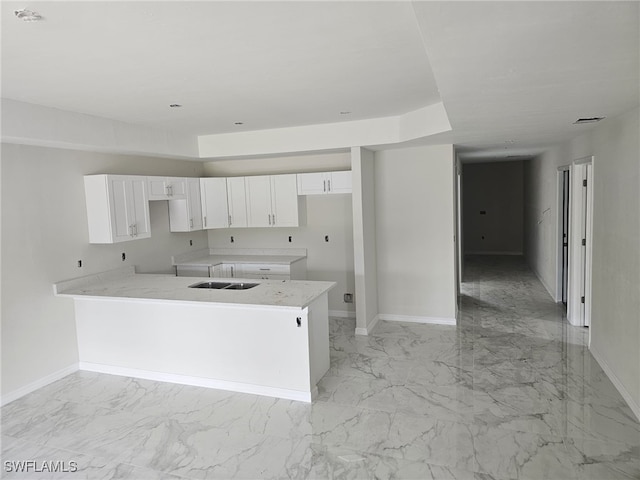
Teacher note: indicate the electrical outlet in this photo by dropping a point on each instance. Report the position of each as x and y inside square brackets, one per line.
[290, 238]
[124, 256]
[191, 243]
[232, 239]
[348, 298]
[326, 238]
[79, 263]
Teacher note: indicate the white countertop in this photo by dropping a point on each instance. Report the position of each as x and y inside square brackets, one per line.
[213, 260]
[126, 284]
[216, 256]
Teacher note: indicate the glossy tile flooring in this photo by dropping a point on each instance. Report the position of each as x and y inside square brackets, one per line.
[510, 393]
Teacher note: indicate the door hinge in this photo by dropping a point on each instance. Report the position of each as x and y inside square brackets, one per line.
[581, 299]
[584, 182]
[584, 241]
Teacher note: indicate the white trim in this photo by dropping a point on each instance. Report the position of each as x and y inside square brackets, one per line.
[414, 319]
[369, 328]
[583, 160]
[635, 407]
[203, 382]
[42, 382]
[493, 253]
[342, 314]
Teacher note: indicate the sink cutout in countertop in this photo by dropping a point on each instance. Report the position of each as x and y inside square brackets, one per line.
[223, 285]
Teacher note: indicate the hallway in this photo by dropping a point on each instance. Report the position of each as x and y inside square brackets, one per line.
[512, 392]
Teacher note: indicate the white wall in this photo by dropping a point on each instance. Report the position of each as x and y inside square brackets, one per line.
[415, 228]
[496, 189]
[44, 227]
[326, 215]
[541, 212]
[615, 329]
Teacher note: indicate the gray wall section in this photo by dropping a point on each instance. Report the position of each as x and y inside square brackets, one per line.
[497, 189]
[615, 330]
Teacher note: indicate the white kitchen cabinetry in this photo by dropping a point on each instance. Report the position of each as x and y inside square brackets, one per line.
[324, 183]
[186, 215]
[117, 208]
[167, 188]
[215, 212]
[263, 271]
[272, 201]
[237, 202]
[224, 270]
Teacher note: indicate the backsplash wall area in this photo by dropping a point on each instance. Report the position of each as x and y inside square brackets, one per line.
[328, 216]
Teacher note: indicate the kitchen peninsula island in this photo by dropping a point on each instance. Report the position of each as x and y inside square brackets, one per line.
[272, 339]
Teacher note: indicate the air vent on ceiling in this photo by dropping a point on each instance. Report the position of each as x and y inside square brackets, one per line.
[580, 121]
[28, 15]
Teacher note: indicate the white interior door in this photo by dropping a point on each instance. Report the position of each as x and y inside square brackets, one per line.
[579, 289]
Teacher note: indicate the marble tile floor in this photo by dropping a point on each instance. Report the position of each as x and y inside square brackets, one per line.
[510, 393]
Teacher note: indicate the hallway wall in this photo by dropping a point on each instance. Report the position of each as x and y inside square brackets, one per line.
[615, 330]
[496, 189]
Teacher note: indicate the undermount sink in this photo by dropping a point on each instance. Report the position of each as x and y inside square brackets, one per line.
[240, 286]
[223, 285]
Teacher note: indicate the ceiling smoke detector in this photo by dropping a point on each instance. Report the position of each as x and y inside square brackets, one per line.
[28, 15]
[580, 121]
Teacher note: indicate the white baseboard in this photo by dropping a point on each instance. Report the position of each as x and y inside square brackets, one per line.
[368, 330]
[633, 405]
[413, 319]
[42, 382]
[342, 314]
[492, 253]
[203, 382]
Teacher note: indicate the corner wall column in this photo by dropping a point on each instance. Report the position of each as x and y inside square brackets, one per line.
[364, 240]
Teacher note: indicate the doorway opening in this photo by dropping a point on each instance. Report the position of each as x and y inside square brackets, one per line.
[563, 277]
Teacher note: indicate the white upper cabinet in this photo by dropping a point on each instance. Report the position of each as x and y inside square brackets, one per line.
[167, 188]
[117, 208]
[272, 201]
[340, 182]
[237, 201]
[215, 212]
[186, 215]
[324, 183]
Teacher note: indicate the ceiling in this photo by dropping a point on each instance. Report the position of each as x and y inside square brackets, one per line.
[513, 76]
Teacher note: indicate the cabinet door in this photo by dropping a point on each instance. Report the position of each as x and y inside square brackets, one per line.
[237, 200]
[139, 205]
[312, 183]
[194, 201]
[340, 182]
[259, 201]
[186, 215]
[214, 203]
[122, 219]
[177, 187]
[284, 200]
[157, 187]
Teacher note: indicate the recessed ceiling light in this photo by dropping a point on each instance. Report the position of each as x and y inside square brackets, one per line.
[238, 123]
[580, 121]
[345, 112]
[175, 105]
[28, 15]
